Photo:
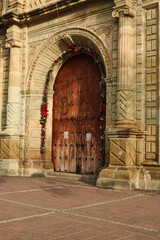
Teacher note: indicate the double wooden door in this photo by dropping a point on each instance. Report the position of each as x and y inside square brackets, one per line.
[76, 108]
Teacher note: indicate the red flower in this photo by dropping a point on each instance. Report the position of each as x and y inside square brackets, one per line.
[72, 46]
[44, 111]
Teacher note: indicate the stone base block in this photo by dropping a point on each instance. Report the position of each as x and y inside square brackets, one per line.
[33, 168]
[9, 167]
[9, 148]
[33, 172]
[146, 178]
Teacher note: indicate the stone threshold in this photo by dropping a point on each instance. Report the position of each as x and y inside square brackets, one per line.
[72, 176]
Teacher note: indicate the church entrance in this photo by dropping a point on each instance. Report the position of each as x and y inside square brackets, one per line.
[76, 109]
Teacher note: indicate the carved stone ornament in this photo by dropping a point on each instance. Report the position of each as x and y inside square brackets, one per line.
[115, 14]
[122, 3]
[33, 47]
[68, 35]
[67, 39]
[126, 11]
[13, 43]
[126, 7]
[16, 5]
[103, 30]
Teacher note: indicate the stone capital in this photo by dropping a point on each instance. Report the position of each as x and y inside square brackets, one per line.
[124, 7]
[13, 43]
[124, 11]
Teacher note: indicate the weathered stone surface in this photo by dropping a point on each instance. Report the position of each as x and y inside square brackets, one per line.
[9, 149]
[130, 178]
[125, 34]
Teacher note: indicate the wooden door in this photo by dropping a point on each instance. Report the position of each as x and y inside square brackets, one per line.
[76, 108]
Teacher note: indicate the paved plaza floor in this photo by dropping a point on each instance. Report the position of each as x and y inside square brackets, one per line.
[49, 209]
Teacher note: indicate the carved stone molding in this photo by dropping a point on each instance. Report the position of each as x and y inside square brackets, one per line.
[115, 14]
[126, 7]
[123, 152]
[105, 33]
[105, 30]
[125, 103]
[9, 149]
[13, 114]
[13, 37]
[122, 3]
[32, 49]
[16, 5]
[68, 37]
[13, 43]
[126, 11]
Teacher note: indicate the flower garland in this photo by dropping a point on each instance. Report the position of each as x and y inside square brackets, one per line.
[102, 120]
[73, 50]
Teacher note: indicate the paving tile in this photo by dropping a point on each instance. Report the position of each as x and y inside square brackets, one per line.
[137, 237]
[90, 213]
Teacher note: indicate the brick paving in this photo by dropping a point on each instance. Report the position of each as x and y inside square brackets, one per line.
[50, 209]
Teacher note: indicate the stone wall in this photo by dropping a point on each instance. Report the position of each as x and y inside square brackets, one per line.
[125, 33]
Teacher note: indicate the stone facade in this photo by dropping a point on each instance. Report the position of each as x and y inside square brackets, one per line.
[125, 33]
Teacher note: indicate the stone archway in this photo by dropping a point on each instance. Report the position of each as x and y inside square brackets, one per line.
[58, 43]
[43, 60]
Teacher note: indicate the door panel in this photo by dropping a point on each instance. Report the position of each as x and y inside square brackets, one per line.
[76, 108]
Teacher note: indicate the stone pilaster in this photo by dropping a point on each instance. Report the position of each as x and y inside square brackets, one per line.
[13, 104]
[125, 12]
[123, 139]
[126, 142]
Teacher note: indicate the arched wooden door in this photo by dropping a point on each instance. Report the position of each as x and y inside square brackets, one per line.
[76, 108]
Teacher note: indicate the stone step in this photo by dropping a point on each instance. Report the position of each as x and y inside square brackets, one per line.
[72, 176]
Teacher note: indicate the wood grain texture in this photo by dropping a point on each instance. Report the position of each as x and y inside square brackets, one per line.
[76, 107]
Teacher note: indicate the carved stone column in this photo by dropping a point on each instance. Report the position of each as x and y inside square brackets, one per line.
[123, 138]
[125, 98]
[13, 104]
[125, 151]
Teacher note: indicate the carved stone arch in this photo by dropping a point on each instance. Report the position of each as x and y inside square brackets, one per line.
[54, 47]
